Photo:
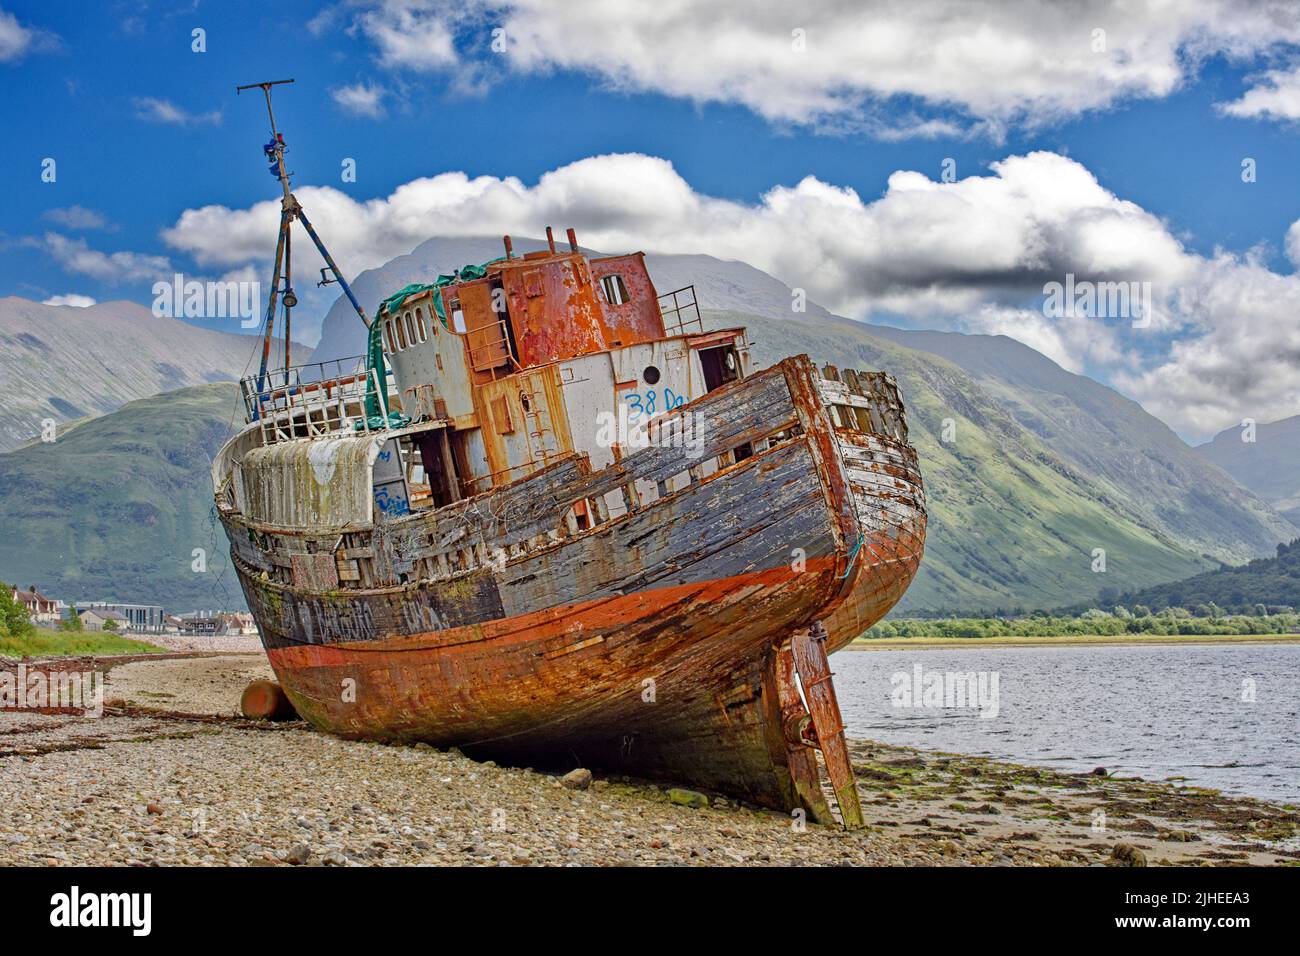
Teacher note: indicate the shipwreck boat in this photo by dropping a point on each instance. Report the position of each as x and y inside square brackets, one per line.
[551, 519]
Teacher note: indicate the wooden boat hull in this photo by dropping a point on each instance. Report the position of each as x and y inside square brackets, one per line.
[650, 644]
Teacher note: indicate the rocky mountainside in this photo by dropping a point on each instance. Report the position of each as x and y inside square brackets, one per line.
[65, 363]
[1268, 466]
[1132, 458]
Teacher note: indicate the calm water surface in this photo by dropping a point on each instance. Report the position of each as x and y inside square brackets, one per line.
[1154, 712]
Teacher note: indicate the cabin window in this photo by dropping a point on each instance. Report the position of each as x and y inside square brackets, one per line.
[410, 329]
[401, 333]
[419, 321]
[457, 317]
[651, 374]
[614, 289]
[388, 335]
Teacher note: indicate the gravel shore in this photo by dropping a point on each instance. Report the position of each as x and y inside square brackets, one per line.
[169, 776]
[225, 644]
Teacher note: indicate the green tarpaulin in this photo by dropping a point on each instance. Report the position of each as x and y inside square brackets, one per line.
[376, 414]
[466, 274]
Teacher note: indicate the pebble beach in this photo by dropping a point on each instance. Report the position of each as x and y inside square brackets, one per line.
[171, 775]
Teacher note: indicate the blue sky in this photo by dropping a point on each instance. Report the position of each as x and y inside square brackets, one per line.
[143, 128]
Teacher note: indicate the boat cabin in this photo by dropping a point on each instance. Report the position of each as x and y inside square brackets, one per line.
[501, 370]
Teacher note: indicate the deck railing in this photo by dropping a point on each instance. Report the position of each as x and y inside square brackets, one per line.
[681, 310]
[318, 398]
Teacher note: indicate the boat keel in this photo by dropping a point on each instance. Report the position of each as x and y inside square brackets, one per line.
[823, 728]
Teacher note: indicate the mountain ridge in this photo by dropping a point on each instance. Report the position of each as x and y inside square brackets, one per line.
[1269, 465]
[70, 363]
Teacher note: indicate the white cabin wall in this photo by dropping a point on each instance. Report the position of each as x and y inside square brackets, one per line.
[418, 364]
[590, 386]
[587, 384]
[476, 453]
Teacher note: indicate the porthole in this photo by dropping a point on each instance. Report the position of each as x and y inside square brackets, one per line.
[651, 375]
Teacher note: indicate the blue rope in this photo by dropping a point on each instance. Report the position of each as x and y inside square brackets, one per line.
[853, 555]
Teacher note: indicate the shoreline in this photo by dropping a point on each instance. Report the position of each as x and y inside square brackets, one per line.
[171, 775]
[1070, 640]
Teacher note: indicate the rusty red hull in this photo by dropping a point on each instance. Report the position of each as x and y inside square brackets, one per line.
[651, 643]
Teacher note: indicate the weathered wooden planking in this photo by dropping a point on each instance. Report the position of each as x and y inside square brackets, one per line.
[508, 515]
[746, 519]
[287, 617]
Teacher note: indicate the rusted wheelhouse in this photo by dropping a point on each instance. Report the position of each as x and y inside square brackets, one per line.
[560, 520]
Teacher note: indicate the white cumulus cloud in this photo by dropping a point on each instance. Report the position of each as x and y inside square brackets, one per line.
[73, 299]
[76, 256]
[834, 62]
[151, 109]
[360, 99]
[972, 255]
[1273, 95]
[411, 35]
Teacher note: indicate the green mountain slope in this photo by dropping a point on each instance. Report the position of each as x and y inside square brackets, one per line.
[114, 508]
[1273, 582]
[63, 363]
[1132, 456]
[1013, 523]
[1268, 466]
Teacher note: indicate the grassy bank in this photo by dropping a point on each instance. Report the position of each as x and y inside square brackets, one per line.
[1046, 640]
[46, 643]
[1123, 624]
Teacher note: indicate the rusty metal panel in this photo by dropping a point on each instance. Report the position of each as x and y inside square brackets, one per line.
[525, 424]
[554, 310]
[488, 348]
[317, 484]
[638, 319]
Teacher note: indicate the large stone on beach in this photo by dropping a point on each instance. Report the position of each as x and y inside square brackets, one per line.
[298, 855]
[579, 779]
[688, 798]
[1126, 854]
